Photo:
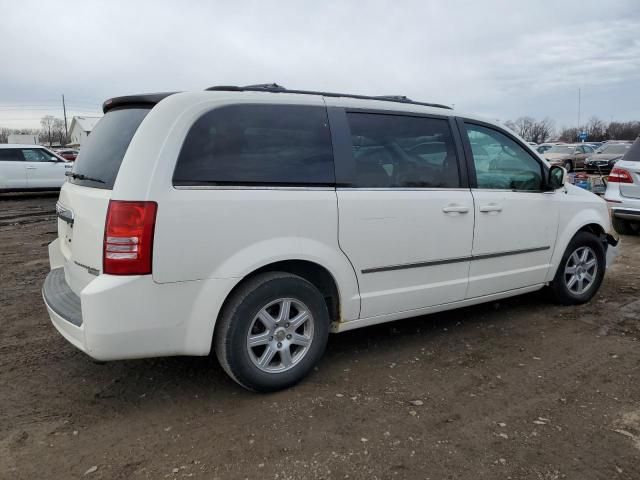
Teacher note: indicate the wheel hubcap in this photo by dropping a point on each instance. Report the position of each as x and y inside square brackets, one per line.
[580, 270]
[280, 335]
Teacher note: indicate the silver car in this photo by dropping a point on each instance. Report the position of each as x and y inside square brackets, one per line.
[623, 192]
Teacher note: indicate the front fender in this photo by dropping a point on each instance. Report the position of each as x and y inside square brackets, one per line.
[567, 230]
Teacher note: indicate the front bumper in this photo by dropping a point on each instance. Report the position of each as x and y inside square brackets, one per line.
[124, 317]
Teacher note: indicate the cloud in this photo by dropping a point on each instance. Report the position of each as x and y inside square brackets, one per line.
[503, 59]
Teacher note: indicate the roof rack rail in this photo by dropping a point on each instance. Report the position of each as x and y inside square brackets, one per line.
[275, 88]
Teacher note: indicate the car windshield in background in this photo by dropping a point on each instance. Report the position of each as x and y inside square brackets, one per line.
[98, 163]
[615, 149]
[561, 149]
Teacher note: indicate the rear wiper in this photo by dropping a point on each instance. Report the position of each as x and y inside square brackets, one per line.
[80, 176]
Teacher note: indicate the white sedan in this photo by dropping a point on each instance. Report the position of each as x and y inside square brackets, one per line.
[31, 167]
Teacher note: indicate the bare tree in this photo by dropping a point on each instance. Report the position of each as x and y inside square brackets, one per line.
[568, 134]
[58, 131]
[532, 130]
[46, 123]
[623, 130]
[596, 129]
[541, 130]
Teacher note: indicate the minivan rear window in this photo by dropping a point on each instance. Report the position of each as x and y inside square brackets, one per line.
[100, 157]
[258, 145]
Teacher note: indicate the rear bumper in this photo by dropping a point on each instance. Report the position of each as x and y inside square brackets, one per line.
[626, 213]
[117, 317]
[64, 308]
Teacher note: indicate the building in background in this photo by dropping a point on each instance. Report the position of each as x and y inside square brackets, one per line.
[22, 139]
[80, 129]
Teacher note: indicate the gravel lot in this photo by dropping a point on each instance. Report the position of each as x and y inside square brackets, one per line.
[519, 389]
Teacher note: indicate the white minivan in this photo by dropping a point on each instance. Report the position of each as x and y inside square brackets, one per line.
[252, 221]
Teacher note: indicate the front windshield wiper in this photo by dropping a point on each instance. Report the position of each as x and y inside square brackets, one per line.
[80, 176]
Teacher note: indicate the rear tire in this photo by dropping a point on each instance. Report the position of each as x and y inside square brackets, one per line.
[568, 166]
[581, 270]
[623, 227]
[272, 331]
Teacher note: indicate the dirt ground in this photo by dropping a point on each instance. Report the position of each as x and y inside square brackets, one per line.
[520, 389]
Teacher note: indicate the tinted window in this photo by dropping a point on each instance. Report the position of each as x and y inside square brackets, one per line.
[506, 166]
[398, 151]
[37, 155]
[10, 155]
[104, 150]
[257, 145]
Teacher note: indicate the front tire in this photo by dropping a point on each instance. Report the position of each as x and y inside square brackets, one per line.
[272, 331]
[581, 270]
[568, 166]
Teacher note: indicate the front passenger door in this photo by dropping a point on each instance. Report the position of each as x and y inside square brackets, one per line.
[44, 170]
[516, 221]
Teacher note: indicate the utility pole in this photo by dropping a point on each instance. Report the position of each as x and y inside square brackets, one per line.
[64, 110]
[579, 105]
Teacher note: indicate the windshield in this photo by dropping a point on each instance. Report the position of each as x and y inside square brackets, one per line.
[561, 149]
[615, 149]
[99, 160]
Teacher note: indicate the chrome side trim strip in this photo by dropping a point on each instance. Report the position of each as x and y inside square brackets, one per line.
[453, 260]
[249, 187]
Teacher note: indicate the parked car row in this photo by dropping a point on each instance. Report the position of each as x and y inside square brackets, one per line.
[592, 157]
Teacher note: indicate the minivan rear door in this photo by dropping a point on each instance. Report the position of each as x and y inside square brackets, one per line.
[84, 199]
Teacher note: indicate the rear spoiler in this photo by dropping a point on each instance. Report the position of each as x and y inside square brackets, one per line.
[147, 100]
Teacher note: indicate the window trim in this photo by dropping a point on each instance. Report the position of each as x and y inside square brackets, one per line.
[248, 185]
[343, 147]
[473, 179]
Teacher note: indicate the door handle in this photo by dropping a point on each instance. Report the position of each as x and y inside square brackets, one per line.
[453, 208]
[492, 207]
[32, 168]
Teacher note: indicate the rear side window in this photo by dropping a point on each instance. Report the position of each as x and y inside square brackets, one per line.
[394, 151]
[99, 159]
[10, 155]
[258, 145]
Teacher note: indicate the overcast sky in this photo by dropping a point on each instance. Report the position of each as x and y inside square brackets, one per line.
[501, 59]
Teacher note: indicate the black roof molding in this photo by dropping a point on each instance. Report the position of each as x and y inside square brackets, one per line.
[275, 88]
[142, 100]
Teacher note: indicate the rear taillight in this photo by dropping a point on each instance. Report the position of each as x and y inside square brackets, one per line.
[620, 175]
[128, 237]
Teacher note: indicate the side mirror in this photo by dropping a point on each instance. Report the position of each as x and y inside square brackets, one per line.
[557, 177]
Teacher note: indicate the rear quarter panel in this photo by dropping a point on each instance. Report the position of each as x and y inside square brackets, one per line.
[221, 233]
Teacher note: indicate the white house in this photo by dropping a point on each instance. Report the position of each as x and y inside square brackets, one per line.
[80, 129]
